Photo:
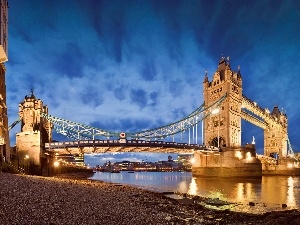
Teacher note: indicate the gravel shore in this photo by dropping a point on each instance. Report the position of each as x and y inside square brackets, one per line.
[61, 200]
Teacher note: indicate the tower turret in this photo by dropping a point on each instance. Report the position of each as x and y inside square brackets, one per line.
[224, 128]
[276, 135]
[35, 131]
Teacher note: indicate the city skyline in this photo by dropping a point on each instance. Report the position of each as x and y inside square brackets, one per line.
[125, 66]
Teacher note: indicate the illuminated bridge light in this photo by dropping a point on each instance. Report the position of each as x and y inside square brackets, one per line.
[238, 154]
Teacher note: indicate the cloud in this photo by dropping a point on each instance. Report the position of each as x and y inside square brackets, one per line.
[129, 66]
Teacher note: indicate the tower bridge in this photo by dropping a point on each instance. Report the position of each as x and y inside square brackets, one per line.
[220, 116]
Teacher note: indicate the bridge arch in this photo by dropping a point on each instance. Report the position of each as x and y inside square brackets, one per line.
[217, 142]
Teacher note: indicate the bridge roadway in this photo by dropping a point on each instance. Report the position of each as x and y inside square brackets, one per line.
[123, 145]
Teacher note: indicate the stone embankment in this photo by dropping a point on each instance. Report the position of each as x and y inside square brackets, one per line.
[61, 200]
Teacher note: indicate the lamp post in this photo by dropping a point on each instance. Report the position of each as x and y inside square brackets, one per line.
[18, 158]
[214, 112]
[56, 166]
[26, 163]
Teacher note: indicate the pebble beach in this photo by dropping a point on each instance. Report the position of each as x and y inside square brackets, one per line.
[75, 200]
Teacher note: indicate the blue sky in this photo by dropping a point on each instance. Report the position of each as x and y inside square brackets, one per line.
[135, 65]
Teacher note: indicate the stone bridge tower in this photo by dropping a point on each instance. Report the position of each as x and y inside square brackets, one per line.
[223, 128]
[276, 135]
[35, 131]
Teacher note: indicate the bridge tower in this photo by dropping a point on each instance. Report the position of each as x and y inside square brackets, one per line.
[223, 127]
[35, 132]
[275, 134]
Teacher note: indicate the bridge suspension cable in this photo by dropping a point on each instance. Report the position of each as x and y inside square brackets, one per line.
[290, 152]
[182, 125]
[78, 131]
[14, 124]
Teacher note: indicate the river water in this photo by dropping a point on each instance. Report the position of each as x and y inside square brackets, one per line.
[268, 193]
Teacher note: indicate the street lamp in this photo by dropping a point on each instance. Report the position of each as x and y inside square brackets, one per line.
[216, 111]
[26, 163]
[56, 164]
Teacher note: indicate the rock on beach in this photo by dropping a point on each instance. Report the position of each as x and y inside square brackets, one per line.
[60, 200]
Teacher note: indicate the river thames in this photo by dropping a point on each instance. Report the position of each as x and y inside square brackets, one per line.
[268, 193]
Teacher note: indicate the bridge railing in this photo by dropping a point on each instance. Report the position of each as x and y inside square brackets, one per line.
[122, 142]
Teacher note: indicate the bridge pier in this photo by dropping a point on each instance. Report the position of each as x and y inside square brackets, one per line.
[231, 162]
[282, 166]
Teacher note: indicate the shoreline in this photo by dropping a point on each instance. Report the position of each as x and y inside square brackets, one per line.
[78, 200]
[257, 208]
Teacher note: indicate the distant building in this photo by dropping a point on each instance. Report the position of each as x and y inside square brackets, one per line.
[168, 166]
[4, 31]
[4, 132]
[185, 159]
[125, 165]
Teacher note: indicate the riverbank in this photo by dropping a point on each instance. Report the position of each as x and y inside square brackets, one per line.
[62, 200]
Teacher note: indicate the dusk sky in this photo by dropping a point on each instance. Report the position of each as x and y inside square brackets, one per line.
[135, 65]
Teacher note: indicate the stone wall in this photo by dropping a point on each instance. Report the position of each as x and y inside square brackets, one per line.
[28, 143]
[231, 162]
[4, 132]
[285, 167]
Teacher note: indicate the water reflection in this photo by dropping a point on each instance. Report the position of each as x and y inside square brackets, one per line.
[290, 193]
[193, 189]
[270, 191]
[227, 189]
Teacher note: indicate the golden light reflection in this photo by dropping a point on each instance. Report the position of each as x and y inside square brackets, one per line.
[240, 192]
[217, 194]
[193, 187]
[183, 186]
[248, 190]
[290, 199]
